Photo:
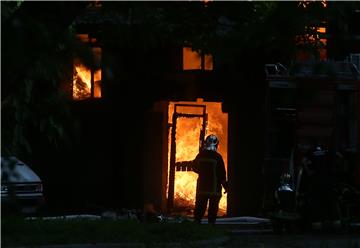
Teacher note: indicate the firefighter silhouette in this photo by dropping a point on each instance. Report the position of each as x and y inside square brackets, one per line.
[209, 165]
[319, 189]
[284, 194]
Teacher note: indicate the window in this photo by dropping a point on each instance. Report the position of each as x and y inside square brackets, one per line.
[87, 81]
[193, 60]
[314, 37]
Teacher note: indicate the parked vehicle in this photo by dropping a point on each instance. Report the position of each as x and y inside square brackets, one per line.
[21, 187]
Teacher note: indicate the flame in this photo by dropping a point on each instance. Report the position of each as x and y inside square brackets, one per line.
[322, 50]
[192, 60]
[187, 147]
[208, 62]
[82, 82]
[319, 35]
[305, 3]
[187, 138]
[82, 74]
[97, 84]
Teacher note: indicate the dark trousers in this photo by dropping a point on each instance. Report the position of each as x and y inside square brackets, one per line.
[201, 204]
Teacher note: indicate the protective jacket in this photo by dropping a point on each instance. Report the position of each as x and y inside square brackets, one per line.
[212, 175]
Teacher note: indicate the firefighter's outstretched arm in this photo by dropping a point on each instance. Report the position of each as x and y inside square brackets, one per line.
[195, 165]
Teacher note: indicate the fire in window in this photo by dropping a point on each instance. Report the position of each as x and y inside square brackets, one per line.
[306, 3]
[322, 50]
[315, 37]
[193, 60]
[87, 81]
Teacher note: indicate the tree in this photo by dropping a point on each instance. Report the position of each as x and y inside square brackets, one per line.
[37, 44]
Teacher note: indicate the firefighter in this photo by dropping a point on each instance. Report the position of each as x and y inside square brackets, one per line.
[285, 195]
[320, 193]
[284, 217]
[209, 165]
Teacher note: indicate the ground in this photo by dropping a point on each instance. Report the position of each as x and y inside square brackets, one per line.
[292, 241]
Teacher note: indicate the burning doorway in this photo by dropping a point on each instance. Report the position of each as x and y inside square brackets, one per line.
[190, 123]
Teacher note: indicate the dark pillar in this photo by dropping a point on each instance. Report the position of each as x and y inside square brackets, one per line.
[245, 153]
[155, 159]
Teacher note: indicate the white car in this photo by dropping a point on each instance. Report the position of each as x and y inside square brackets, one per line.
[21, 187]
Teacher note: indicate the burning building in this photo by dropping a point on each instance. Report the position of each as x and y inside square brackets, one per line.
[143, 107]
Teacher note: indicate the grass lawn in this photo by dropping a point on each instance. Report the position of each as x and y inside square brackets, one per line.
[20, 232]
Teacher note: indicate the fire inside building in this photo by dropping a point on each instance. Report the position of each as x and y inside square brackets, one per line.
[143, 113]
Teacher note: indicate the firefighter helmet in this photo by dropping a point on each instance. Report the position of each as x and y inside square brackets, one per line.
[211, 142]
[285, 180]
[319, 151]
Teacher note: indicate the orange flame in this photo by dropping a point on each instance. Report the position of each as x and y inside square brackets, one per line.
[305, 3]
[82, 82]
[192, 60]
[187, 147]
[310, 39]
[82, 74]
[97, 84]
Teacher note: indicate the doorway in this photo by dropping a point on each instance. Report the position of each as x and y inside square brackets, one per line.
[190, 123]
